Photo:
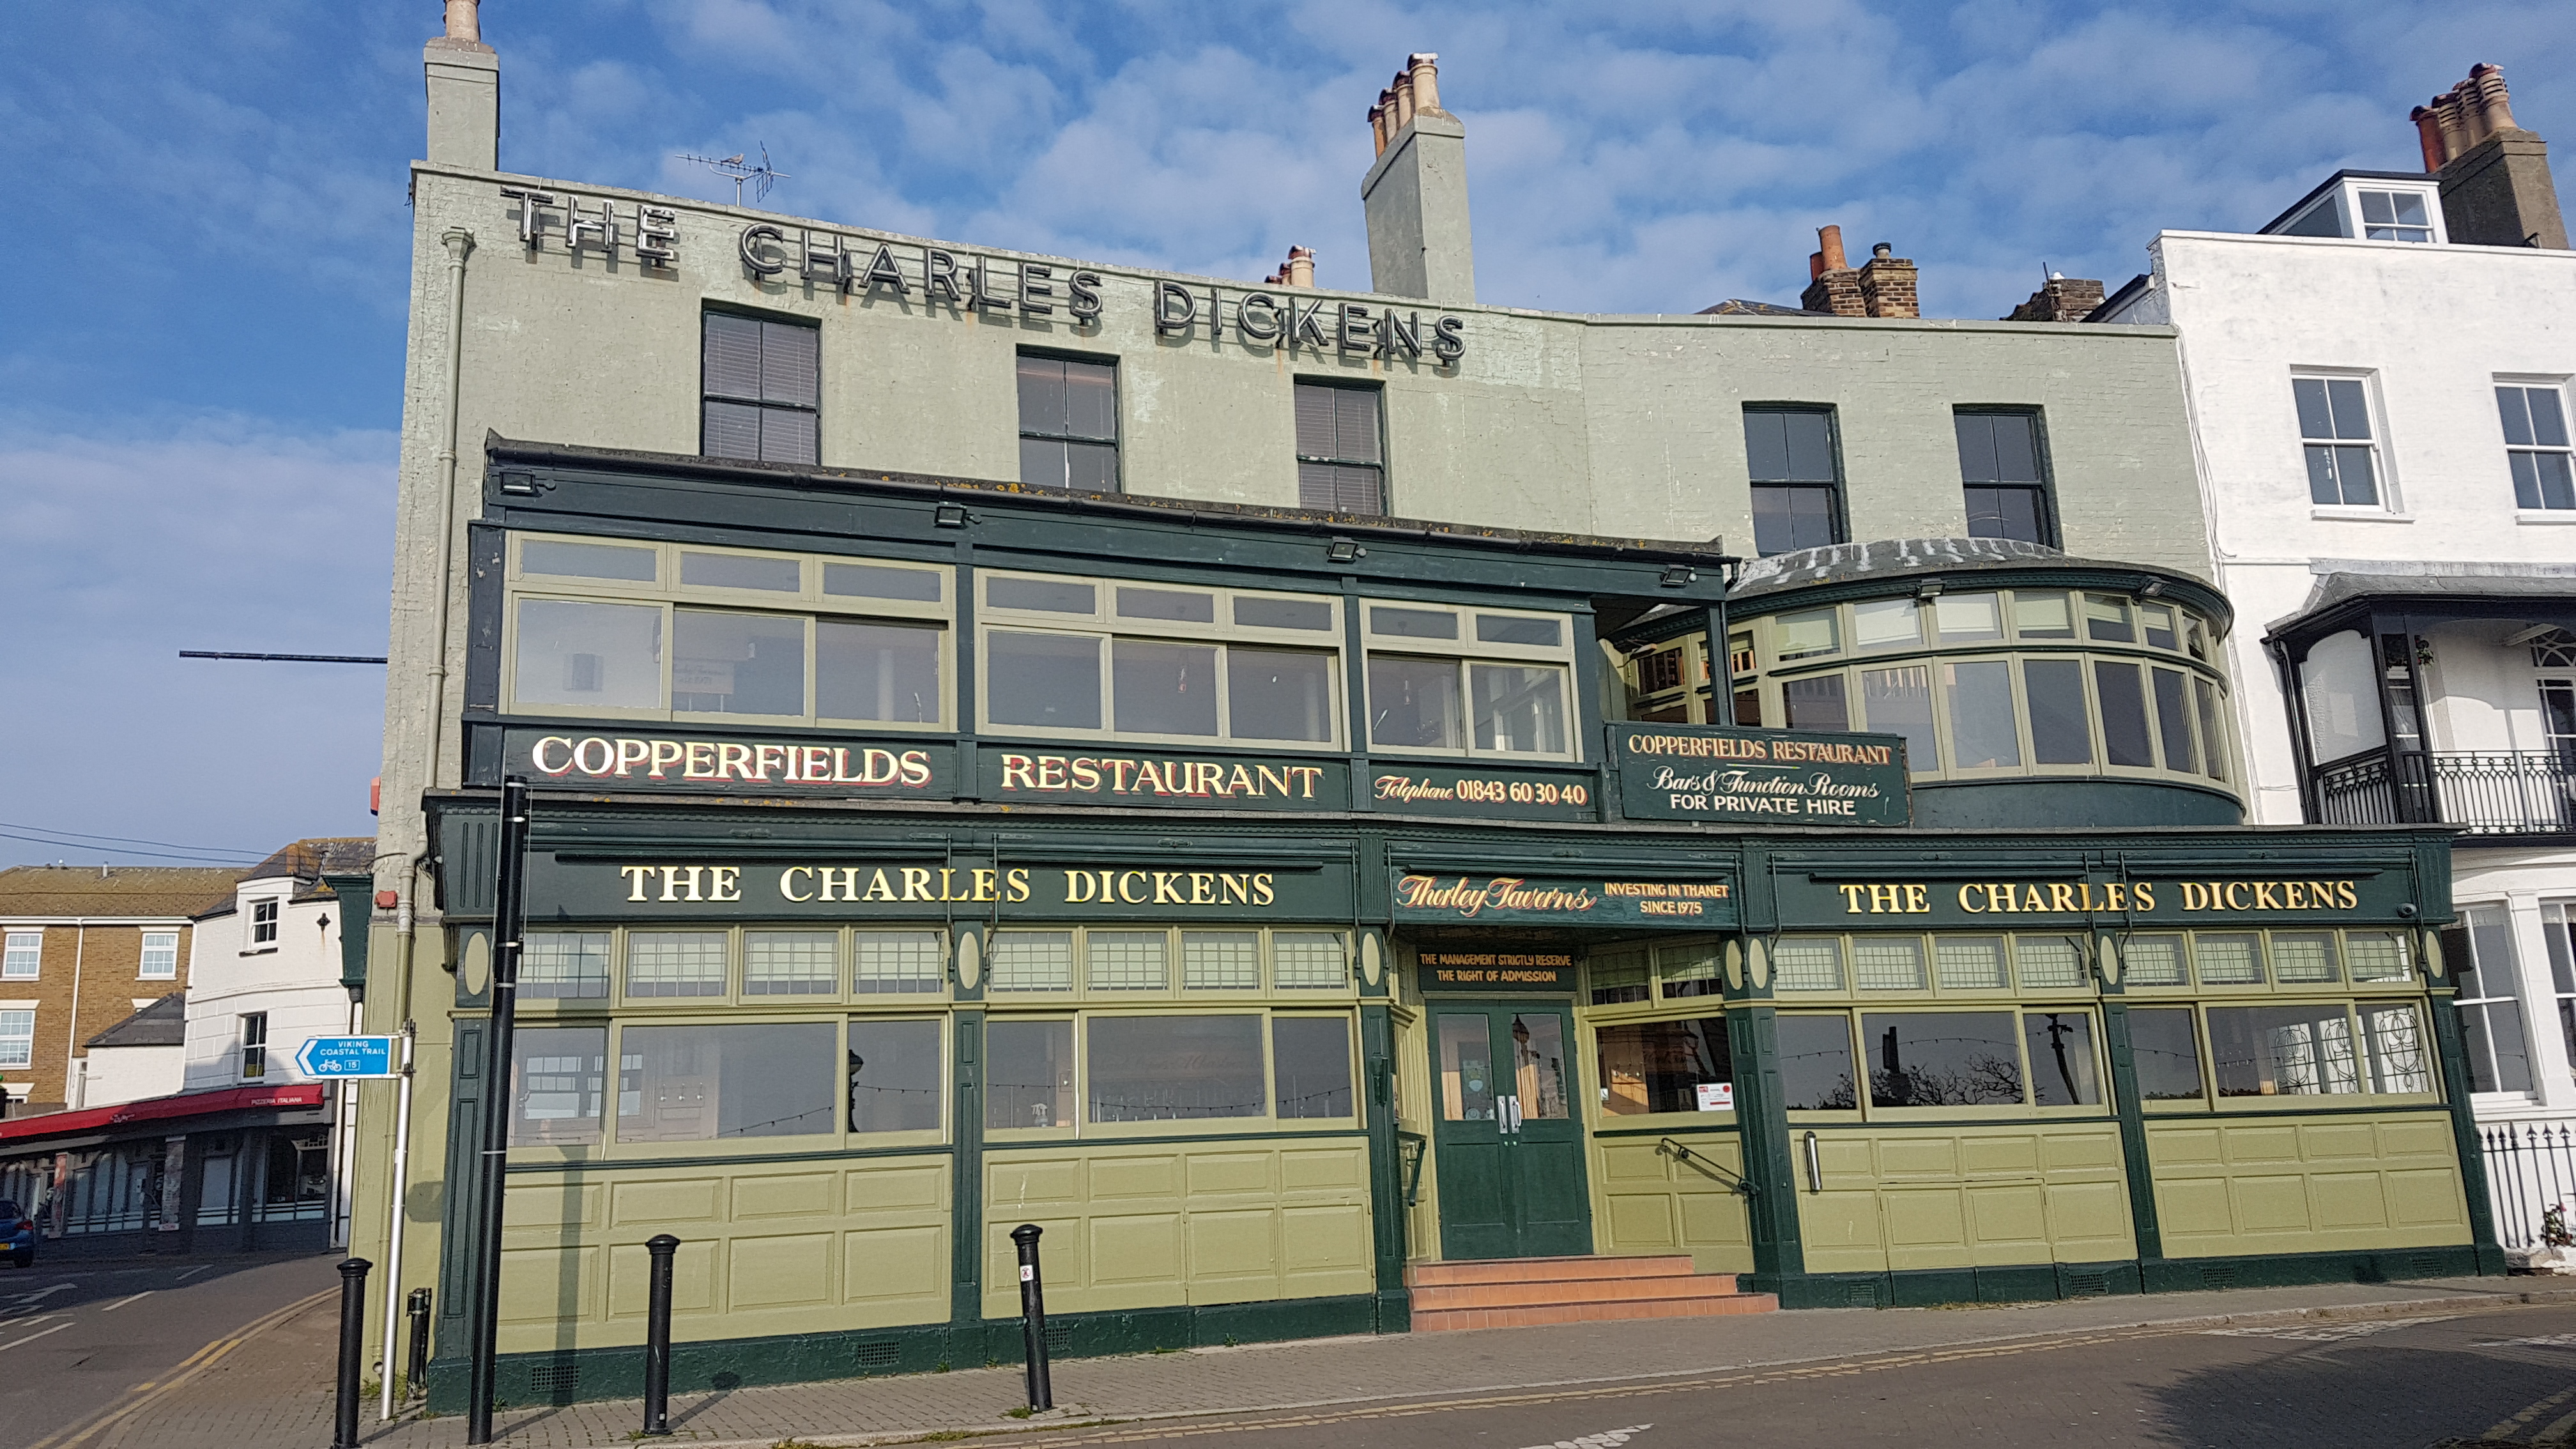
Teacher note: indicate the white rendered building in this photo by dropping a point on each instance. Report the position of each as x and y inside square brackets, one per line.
[2379, 383]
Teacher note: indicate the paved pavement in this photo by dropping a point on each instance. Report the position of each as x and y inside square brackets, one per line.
[2149, 1367]
[76, 1338]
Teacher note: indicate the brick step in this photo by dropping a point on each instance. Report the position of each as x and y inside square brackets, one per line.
[1540, 1270]
[1439, 1320]
[1662, 1288]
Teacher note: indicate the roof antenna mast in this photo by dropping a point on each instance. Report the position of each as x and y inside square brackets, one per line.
[739, 170]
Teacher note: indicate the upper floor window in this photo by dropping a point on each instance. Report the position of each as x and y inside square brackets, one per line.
[2395, 216]
[2536, 445]
[263, 922]
[1474, 682]
[17, 1038]
[1068, 423]
[254, 1045]
[160, 956]
[672, 630]
[2370, 209]
[2005, 475]
[761, 381]
[26, 951]
[1797, 478]
[2335, 429]
[1341, 452]
[1163, 661]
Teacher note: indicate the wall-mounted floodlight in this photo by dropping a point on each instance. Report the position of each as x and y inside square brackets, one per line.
[1344, 550]
[1677, 576]
[950, 515]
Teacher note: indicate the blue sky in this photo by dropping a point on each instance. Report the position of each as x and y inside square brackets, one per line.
[201, 362]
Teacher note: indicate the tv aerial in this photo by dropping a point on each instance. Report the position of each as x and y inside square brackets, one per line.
[739, 170]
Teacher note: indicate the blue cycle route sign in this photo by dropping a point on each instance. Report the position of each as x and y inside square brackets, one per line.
[350, 1056]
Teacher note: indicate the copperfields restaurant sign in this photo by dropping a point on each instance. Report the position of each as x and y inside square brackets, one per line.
[1759, 777]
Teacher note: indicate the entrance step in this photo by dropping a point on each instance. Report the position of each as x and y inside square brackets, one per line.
[1516, 1292]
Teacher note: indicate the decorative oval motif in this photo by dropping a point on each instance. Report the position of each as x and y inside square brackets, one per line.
[970, 959]
[1371, 961]
[2435, 968]
[474, 969]
[1735, 965]
[1761, 964]
[2110, 959]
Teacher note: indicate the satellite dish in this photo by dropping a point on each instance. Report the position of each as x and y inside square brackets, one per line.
[738, 169]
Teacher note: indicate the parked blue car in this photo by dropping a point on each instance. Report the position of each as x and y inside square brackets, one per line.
[17, 1235]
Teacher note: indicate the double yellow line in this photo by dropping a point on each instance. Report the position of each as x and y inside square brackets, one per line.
[144, 1395]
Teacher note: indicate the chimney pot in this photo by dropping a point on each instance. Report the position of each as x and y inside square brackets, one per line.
[2494, 101]
[1424, 67]
[1815, 265]
[1403, 92]
[1377, 126]
[2428, 134]
[1300, 271]
[1829, 241]
[463, 21]
[1882, 249]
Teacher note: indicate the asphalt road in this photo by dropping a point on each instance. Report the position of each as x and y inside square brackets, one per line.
[2368, 1384]
[76, 1337]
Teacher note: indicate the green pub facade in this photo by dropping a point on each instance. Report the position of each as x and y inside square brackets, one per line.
[1265, 904]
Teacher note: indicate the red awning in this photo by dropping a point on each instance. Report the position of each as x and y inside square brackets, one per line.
[159, 1109]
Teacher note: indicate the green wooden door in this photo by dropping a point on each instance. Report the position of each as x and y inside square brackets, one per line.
[1508, 1145]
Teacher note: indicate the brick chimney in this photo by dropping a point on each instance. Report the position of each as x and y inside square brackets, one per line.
[1415, 196]
[1832, 286]
[1887, 284]
[2060, 299]
[464, 79]
[2496, 189]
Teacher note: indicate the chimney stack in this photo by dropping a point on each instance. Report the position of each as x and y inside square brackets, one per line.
[1884, 287]
[464, 78]
[2496, 188]
[2060, 299]
[1420, 244]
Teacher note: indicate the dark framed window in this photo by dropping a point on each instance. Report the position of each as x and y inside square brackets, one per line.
[761, 383]
[2003, 465]
[1068, 423]
[1796, 469]
[1341, 449]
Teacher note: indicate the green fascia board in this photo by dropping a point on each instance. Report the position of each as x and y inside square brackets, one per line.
[2116, 578]
[580, 1375]
[2039, 1282]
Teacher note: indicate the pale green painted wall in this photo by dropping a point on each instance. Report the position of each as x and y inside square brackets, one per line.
[2293, 1185]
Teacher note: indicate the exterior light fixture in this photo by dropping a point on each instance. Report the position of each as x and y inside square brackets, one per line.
[950, 515]
[1928, 589]
[1680, 576]
[2152, 589]
[1344, 550]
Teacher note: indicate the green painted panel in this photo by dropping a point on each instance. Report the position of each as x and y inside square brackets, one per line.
[789, 1270]
[541, 1286]
[1914, 894]
[2013, 1218]
[1324, 1239]
[725, 885]
[686, 1200]
[888, 1264]
[2425, 1198]
[895, 1187]
[2272, 1204]
[1144, 1248]
[804, 1194]
[1639, 1224]
[1485, 792]
[630, 1281]
[1041, 775]
[2346, 1200]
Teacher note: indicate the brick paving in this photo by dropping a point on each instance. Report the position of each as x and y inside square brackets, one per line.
[274, 1390]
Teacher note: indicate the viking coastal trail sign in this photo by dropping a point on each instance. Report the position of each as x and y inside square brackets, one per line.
[350, 1056]
[1759, 777]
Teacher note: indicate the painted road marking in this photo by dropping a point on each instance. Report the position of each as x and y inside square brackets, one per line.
[121, 1302]
[1606, 1439]
[2329, 1332]
[193, 1365]
[42, 1294]
[31, 1338]
[193, 1272]
[2507, 1428]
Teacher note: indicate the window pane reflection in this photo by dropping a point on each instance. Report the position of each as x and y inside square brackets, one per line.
[1983, 732]
[876, 671]
[1051, 681]
[1163, 689]
[895, 1074]
[1816, 1062]
[737, 663]
[2167, 1052]
[1278, 694]
[601, 656]
[1311, 1057]
[1413, 703]
[1662, 1066]
[1942, 1059]
[1520, 708]
[1175, 1068]
[558, 1075]
[708, 1083]
[2062, 1073]
[1028, 1074]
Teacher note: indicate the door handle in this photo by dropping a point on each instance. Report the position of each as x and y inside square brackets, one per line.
[1511, 1116]
[1815, 1166]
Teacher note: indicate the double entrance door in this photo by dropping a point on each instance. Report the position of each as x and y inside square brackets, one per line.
[1508, 1142]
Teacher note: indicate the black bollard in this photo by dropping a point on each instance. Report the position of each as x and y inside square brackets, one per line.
[353, 1346]
[657, 1339]
[1033, 1315]
[416, 1373]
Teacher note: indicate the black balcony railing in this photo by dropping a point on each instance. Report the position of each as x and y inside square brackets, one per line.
[2487, 792]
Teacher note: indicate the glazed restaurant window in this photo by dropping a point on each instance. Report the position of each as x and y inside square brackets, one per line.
[1797, 478]
[761, 383]
[893, 961]
[1068, 423]
[895, 1072]
[1980, 1059]
[2005, 475]
[1174, 1068]
[2155, 705]
[1665, 1066]
[2265, 1051]
[558, 1078]
[2036, 961]
[675, 963]
[2335, 433]
[1115, 962]
[671, 631]
[2479, 952]
[1161, 662]
[2166, 1048]
[791, 963]
[1341, 455]
[1028, 1074]
[716, 1083]
[1310, 1060]
[1816, 1062]
[1462, 681]
[2536, 446]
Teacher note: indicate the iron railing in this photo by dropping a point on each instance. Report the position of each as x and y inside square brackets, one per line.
[2531, 1168]
[2489, 792]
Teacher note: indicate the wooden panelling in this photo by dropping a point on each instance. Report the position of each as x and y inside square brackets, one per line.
[2314, 1185]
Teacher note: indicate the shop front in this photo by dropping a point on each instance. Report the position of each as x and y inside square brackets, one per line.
[1267, 906]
